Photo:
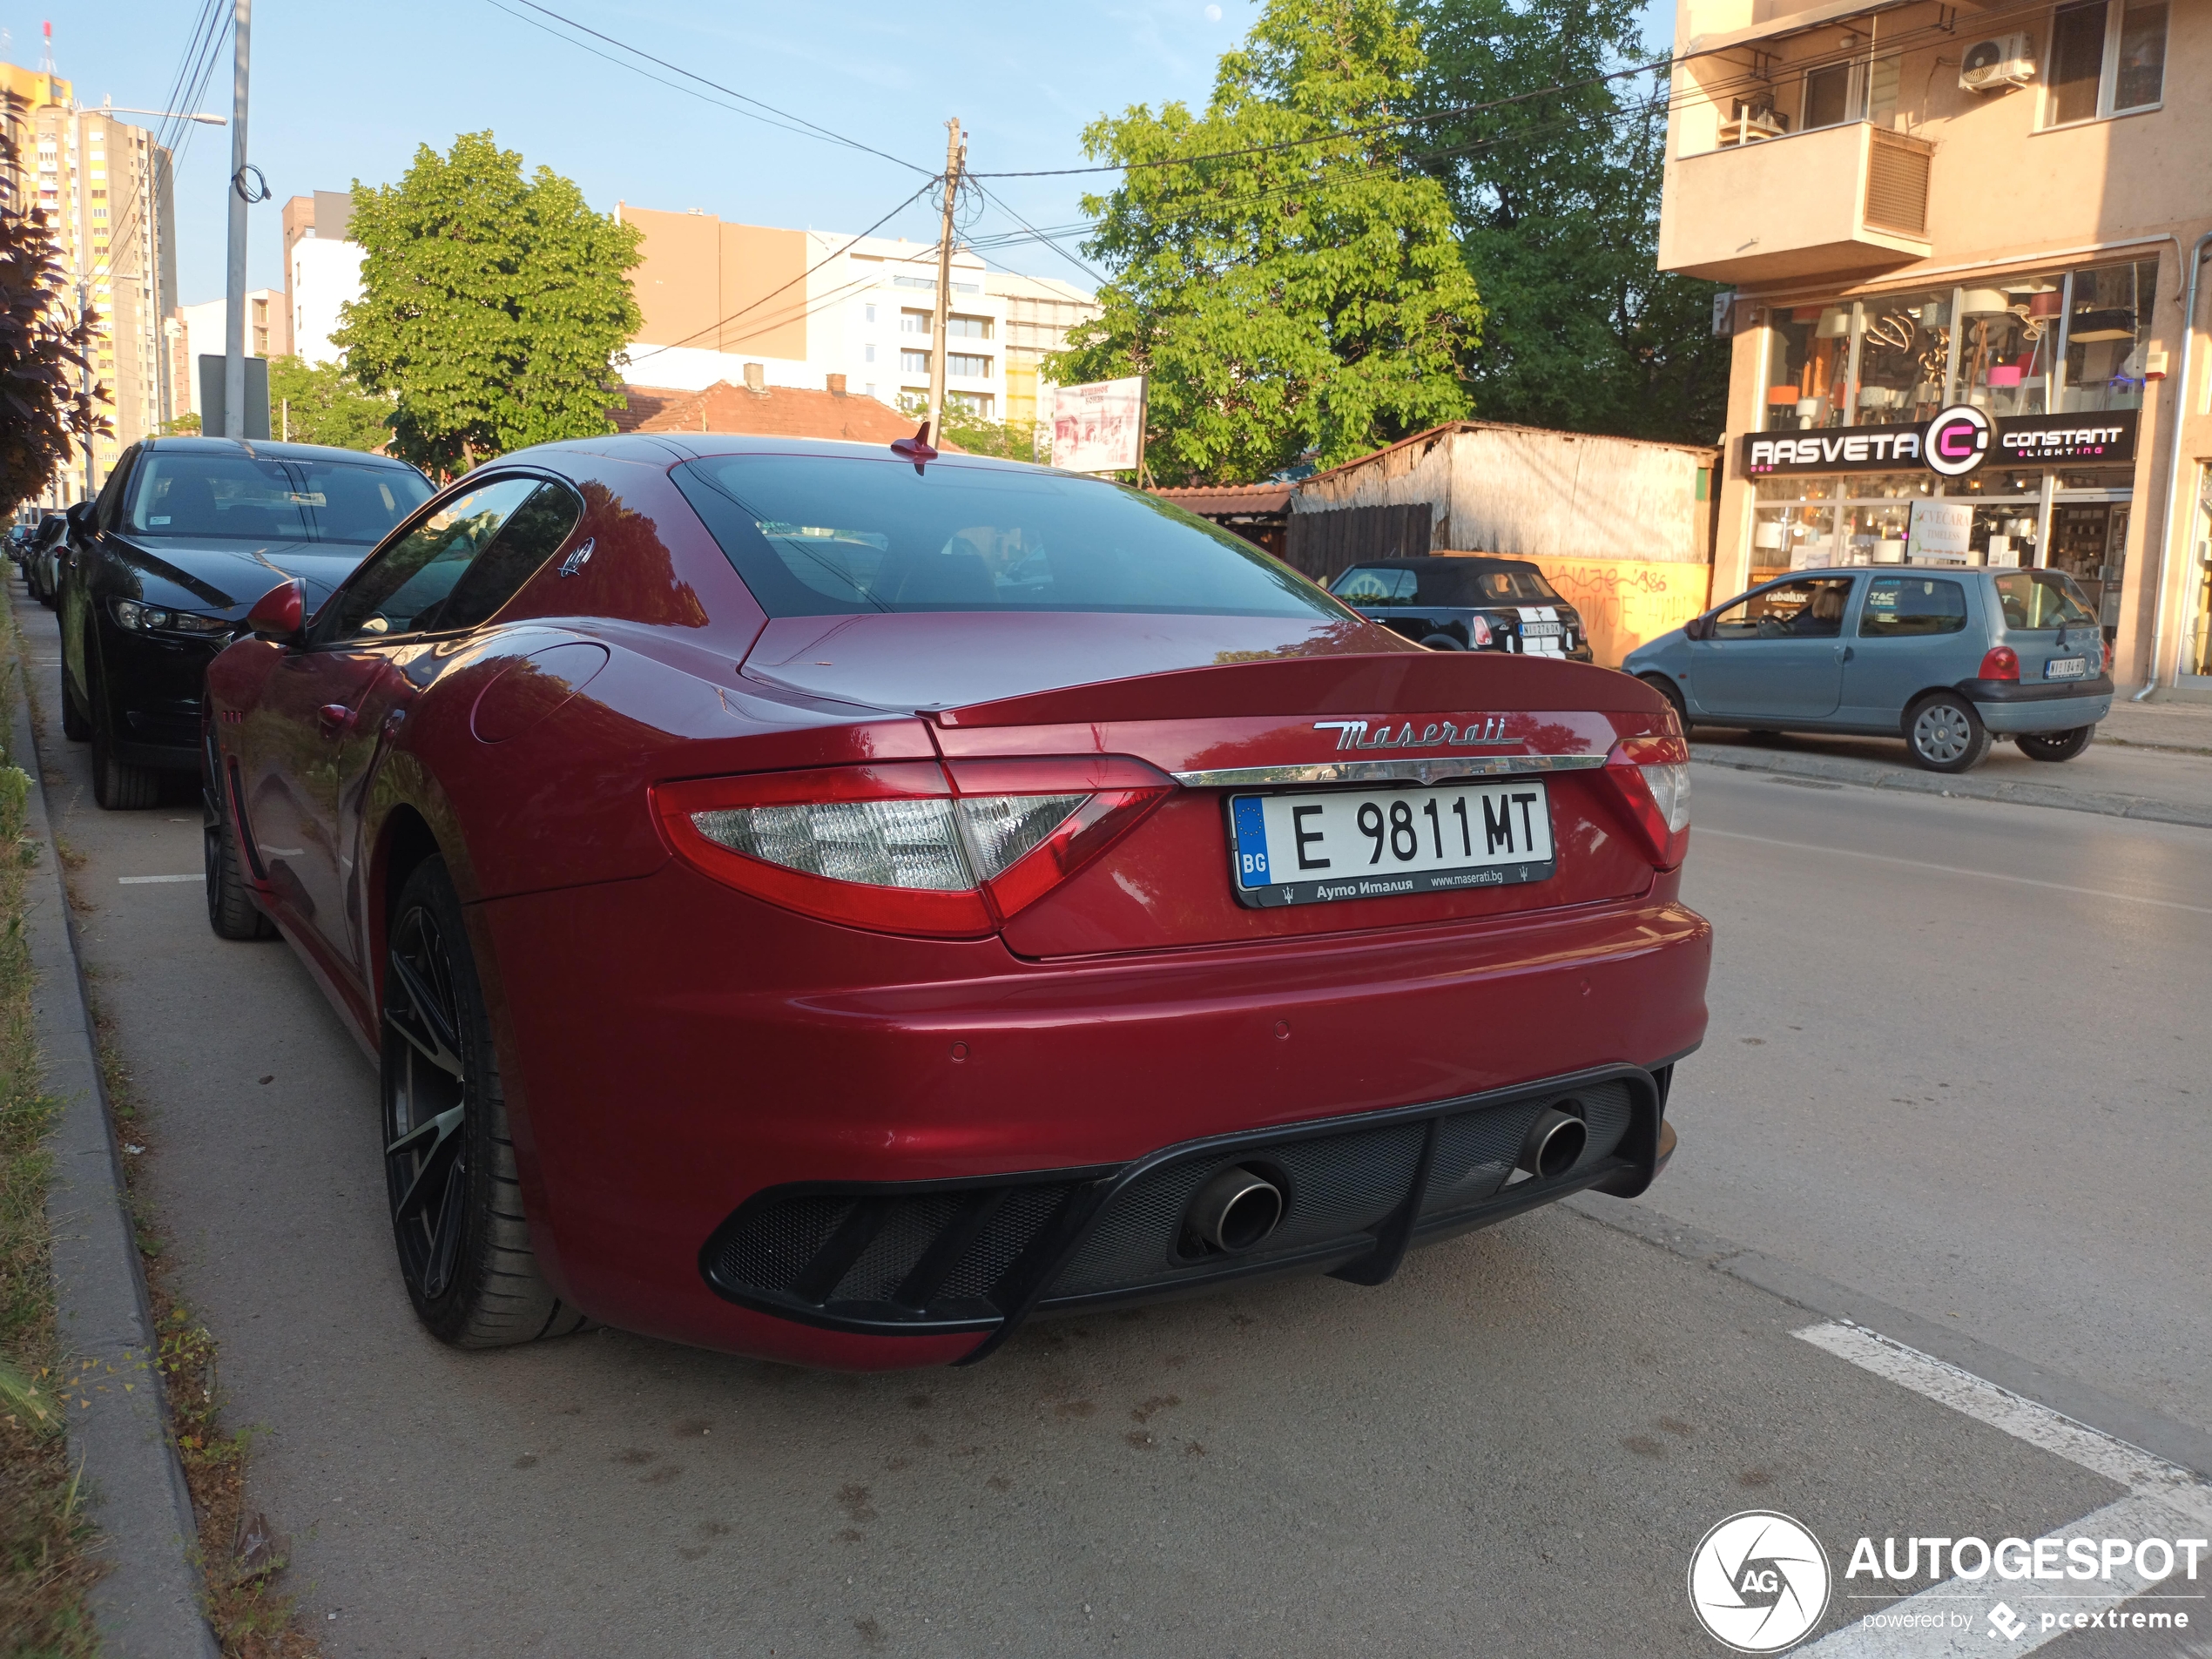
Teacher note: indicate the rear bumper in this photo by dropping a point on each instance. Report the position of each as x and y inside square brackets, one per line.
[2061, 712]
[673, 1049]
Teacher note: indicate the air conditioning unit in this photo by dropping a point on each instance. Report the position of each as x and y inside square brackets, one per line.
[1998, 65]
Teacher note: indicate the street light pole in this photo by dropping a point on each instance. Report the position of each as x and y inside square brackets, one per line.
[955, 155]
[235, 288]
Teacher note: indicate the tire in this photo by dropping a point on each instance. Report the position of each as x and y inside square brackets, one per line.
[1943, 733]
[1440, 642]
[118, 785]
[457, 1219]
[2055, 745]
[75, 726]
[230, 910]
[1672, 692]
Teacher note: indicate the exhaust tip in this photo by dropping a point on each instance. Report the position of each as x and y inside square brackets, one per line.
[1236, 1211]
[1553, 1144]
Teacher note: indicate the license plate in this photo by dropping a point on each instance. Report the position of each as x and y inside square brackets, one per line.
[1542, 630]
[1382, 843]
[2066, 668]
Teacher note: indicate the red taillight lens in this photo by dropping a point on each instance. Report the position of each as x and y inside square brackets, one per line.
[901, 847]
[2108, 656]
[1479, 634]
[1650, 777]
[1999, 662]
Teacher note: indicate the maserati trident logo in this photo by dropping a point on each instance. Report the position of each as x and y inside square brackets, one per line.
[1437, 734]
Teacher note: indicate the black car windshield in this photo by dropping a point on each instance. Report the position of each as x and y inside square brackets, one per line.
[234, 497]
[2034, 600]
[1461, 584]
[816, 536]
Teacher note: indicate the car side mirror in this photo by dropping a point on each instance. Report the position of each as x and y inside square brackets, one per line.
[278, 616]
[1698, 628]
[79, 515]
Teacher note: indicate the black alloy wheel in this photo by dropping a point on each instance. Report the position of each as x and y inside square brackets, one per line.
[1943, 733]
[1440, 642]
[457, 1200]
[118, 785]
[2055, 745]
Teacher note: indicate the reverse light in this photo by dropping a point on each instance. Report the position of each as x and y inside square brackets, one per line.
[1650, 781]
[1999, 662]
[909, 846]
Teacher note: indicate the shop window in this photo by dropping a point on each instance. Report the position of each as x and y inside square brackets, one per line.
[2107, 58]
[1904, 347]
[1910, 607]
[2008, 345]
[2107, 336]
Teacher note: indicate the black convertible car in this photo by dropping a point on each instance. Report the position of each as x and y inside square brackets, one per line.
[185, 534]
[1475, 603]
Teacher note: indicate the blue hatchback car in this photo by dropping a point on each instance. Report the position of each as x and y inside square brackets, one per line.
[1948, 658]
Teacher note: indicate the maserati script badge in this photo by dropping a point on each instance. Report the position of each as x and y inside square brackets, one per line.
[1437, 734]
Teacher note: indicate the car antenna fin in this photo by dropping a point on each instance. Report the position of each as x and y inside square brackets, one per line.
[916, 448]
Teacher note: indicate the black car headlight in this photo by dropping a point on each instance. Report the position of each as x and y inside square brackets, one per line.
[153, 619]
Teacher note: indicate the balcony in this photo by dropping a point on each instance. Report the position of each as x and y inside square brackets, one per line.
[1839, 201]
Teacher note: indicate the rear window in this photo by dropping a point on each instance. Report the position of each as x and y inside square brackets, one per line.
[255, 498]
[1463, 585]
[2034, 600]
[830, 535]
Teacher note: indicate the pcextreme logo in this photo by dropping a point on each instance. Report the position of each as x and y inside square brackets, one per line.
[1758, 1582]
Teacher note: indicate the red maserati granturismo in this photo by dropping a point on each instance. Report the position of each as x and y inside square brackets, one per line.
[835, 904]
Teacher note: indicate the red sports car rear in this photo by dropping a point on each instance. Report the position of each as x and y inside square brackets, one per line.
[851, 907]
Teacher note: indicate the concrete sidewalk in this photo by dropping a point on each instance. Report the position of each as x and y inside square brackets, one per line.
[2150, 761]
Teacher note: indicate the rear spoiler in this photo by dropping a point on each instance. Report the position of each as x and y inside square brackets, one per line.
[1348, 684]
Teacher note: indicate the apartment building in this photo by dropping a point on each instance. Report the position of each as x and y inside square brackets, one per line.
[322, 271]
[1961, 241]
[106, 188]
[808, 305]
[198, 331]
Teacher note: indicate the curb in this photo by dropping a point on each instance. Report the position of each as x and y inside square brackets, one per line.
[2140, 1426]
[1869, 775]
[149, 1606]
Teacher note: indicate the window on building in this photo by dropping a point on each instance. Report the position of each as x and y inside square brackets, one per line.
[1828, 101]
[967, 364]
[870, 311]
[914, 362]
[960, 327]
[914, 282]
[2107, 56]
[913, 322]
[1864, 89]
[868, 354]
[2108, 335]
[975, 403]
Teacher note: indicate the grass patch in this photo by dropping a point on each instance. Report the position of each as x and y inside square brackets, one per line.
[46, 1560]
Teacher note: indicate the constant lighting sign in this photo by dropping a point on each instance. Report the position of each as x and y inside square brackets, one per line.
[1958, 441]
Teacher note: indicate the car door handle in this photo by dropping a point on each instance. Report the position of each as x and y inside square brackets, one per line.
[335, 719]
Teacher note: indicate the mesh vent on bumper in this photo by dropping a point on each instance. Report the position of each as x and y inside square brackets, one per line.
[932, 1257]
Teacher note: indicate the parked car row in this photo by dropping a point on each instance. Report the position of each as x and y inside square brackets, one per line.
[835, 903]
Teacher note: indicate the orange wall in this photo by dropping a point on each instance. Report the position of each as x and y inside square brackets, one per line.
[714, 287]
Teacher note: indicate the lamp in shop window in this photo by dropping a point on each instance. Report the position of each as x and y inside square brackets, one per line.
[2091, 325]
[2043, 306]
[2004, 375]
[1778, 395]
[1835, 323]
[1987, 302]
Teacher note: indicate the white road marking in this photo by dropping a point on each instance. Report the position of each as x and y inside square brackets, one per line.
[149, 880]
[1952, 869]
[2164, 1501]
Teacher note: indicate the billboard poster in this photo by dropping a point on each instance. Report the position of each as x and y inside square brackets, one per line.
[1099, 428]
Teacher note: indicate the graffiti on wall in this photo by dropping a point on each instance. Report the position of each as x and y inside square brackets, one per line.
[1625, 601]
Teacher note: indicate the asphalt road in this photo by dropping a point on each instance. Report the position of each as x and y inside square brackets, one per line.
[1965, 1096]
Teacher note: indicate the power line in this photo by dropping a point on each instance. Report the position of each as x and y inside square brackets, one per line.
[803, 126]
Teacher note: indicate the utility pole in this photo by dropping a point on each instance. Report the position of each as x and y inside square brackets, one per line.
[235, 288]
[955, 158]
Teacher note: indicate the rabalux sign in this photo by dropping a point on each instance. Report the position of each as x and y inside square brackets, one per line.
[1956, 443]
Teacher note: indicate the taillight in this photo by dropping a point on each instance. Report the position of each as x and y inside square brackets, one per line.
[2108, 656]
[1650, 779]
[903, 846]
[1478, 635]
[1999, 662]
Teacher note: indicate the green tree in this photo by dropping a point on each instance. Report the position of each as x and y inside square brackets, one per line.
[319, 403]
[494, 309]
[977, 435]
[48, 400]
[1557, 198]
[1279, 299]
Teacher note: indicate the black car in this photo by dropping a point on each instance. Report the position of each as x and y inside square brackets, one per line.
[1476, 602]
[186, 534]
[40, 558]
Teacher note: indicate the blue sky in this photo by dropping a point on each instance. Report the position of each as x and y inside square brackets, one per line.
[345, 90]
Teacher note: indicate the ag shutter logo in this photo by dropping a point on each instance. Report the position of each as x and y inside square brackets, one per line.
[1957, 440]
[1758, 1582]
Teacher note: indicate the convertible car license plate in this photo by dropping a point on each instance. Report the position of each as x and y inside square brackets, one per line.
[2066, 668]
[1378, 843]
[1540, 629]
